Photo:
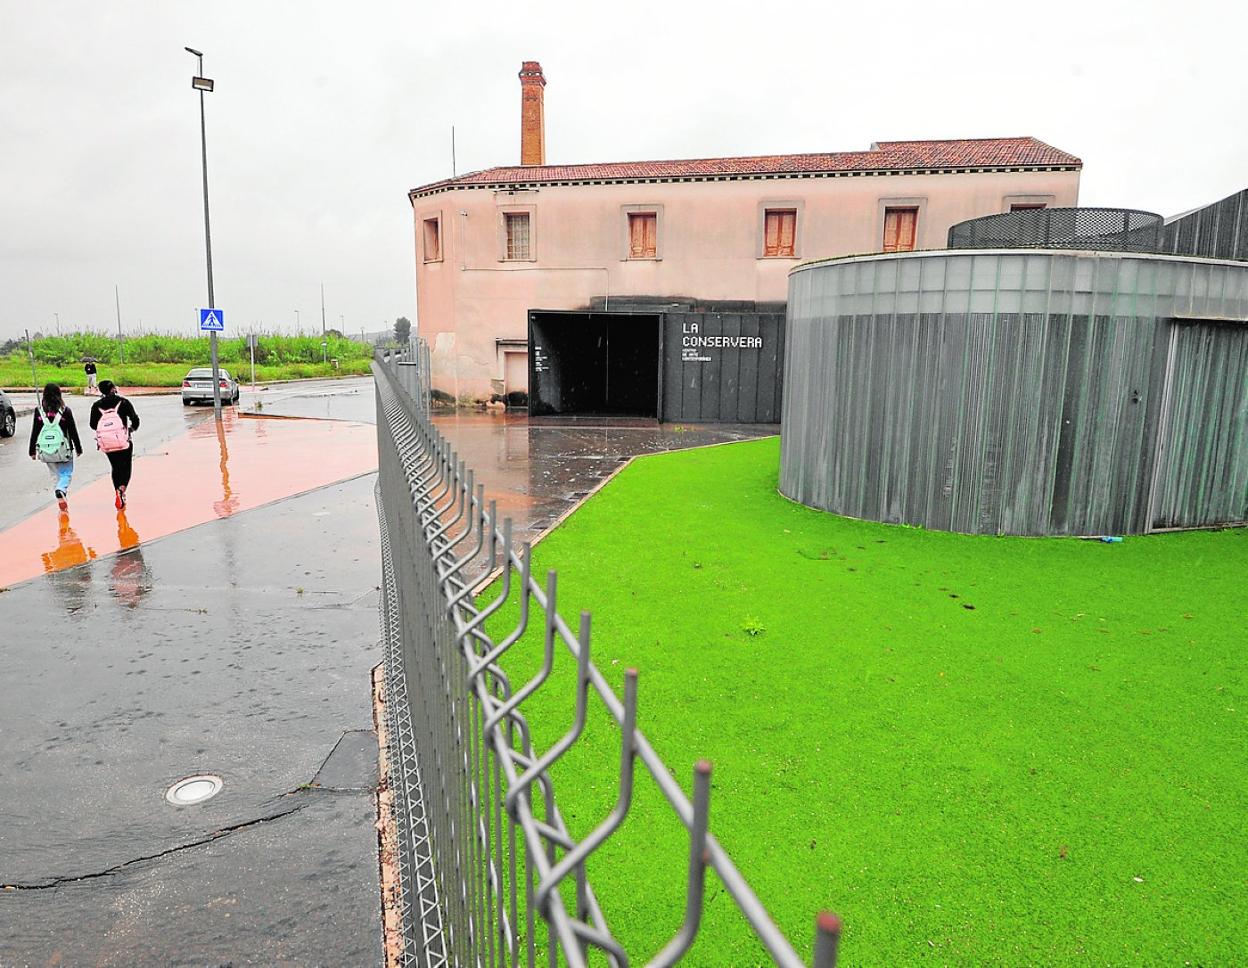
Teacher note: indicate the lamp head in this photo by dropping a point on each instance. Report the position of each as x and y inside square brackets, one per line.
[192, 50]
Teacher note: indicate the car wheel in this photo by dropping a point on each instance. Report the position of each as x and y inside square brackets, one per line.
[8, 424]
[186, 402]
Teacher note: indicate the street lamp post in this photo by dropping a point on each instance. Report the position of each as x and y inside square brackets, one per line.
[204, 84]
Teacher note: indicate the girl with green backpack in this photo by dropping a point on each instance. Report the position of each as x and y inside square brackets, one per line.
[54, 440]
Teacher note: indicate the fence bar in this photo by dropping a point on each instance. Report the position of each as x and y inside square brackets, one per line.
[485, 853]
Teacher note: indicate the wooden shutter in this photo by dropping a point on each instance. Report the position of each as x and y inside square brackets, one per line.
[433, 244]
[643, 235]
[899, 229]
[780, 232]
[788, 233]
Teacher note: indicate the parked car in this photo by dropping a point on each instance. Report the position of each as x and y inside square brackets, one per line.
[8, 416]
[197, 387]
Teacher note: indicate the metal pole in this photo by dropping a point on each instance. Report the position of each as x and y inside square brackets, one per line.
[212, 302]
[252, 341]
[121, 339]
[322, 310]
[58, 323]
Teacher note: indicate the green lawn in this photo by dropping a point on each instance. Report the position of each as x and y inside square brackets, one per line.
[977, 750]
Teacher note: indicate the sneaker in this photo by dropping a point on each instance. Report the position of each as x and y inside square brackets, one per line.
[121, 496]
[120, 501]
[61, 502]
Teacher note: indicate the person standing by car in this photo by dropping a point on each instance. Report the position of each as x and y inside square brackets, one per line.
[113, 419]
[89, 369]
[54, 440]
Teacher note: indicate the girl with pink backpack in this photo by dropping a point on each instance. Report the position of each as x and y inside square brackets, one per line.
[113, 419]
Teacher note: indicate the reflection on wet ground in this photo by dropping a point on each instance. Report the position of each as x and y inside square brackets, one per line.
[211, 471]
[538, 471]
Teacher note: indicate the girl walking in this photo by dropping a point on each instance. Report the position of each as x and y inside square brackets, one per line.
[113, 419]
[54, 440]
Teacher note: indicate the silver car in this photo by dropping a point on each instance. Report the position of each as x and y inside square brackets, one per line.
[197, 387]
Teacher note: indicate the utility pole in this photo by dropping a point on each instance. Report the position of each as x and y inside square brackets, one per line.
[58, 323]
[453, 172]
[121, 339]
[322, 310]
[202, 84]
[30, 348]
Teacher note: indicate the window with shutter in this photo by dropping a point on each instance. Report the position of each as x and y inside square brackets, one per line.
[643, 235]
[780, 232]
[433, 240]
[517, 225]
[899, 229]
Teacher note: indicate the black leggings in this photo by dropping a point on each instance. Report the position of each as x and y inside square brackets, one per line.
[121, 461]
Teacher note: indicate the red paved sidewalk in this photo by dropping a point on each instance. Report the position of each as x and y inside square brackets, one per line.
[212, 471]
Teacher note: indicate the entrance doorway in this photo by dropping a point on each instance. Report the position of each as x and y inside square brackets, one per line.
[594, 364]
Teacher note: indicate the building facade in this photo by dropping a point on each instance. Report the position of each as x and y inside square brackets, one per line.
[707, 236]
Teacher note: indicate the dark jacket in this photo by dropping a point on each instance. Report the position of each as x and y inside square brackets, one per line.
[68, 428]
[125, 410]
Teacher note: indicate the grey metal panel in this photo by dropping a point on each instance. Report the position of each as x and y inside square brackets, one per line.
[1044, 421]
[1203, 463]
[1217, 231]
[673, 373]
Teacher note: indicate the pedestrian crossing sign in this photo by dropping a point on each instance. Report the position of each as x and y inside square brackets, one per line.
[211, 321]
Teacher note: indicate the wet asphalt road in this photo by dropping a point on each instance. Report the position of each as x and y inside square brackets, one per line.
[240, 648]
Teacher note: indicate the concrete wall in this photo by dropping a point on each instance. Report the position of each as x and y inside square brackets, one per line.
[1019, 392]
[709, 247]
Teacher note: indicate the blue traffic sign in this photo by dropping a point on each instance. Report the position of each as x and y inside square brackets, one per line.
[211, 321]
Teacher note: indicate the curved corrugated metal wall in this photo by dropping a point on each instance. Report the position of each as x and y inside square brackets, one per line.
[1019, 392]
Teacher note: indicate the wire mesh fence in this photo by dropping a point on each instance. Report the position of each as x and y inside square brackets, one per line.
[490, 873]
[1103, 229]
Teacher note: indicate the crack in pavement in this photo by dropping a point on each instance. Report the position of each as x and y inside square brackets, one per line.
[117, 868]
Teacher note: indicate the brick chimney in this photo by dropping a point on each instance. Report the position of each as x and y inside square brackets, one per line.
[532, 114]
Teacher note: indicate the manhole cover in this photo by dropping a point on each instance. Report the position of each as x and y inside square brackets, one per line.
[194, 789]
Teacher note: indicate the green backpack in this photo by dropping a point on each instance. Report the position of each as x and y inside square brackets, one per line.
[51, 445]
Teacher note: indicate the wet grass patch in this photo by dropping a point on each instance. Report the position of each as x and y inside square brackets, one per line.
[977, 750]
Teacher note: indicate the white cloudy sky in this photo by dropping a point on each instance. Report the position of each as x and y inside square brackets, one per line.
[326, 113]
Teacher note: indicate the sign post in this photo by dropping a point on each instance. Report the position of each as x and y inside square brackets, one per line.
[212, 321]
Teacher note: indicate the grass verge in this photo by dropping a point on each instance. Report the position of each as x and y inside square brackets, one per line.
[977, 750]
[14, 374]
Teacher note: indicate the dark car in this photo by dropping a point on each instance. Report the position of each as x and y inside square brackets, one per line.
[8, 416]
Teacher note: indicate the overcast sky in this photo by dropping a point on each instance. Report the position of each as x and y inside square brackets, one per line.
[325, 114]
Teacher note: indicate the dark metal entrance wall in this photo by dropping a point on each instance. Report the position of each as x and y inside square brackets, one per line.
[723, 367]
[694, 367]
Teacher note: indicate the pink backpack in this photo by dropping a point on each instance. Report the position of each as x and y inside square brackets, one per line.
[111, 433]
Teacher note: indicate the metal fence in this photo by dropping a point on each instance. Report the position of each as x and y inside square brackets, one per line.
[1105, 229]
[490, 873]
[1217, 231]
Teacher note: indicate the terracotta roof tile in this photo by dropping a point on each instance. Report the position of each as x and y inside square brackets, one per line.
[883, 156]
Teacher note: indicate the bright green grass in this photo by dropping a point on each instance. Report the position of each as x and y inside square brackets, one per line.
[1058, 775]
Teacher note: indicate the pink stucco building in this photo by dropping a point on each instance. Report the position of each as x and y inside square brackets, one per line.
[712, 235]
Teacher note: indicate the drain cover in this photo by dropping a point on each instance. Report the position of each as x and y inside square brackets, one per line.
[194, 789]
